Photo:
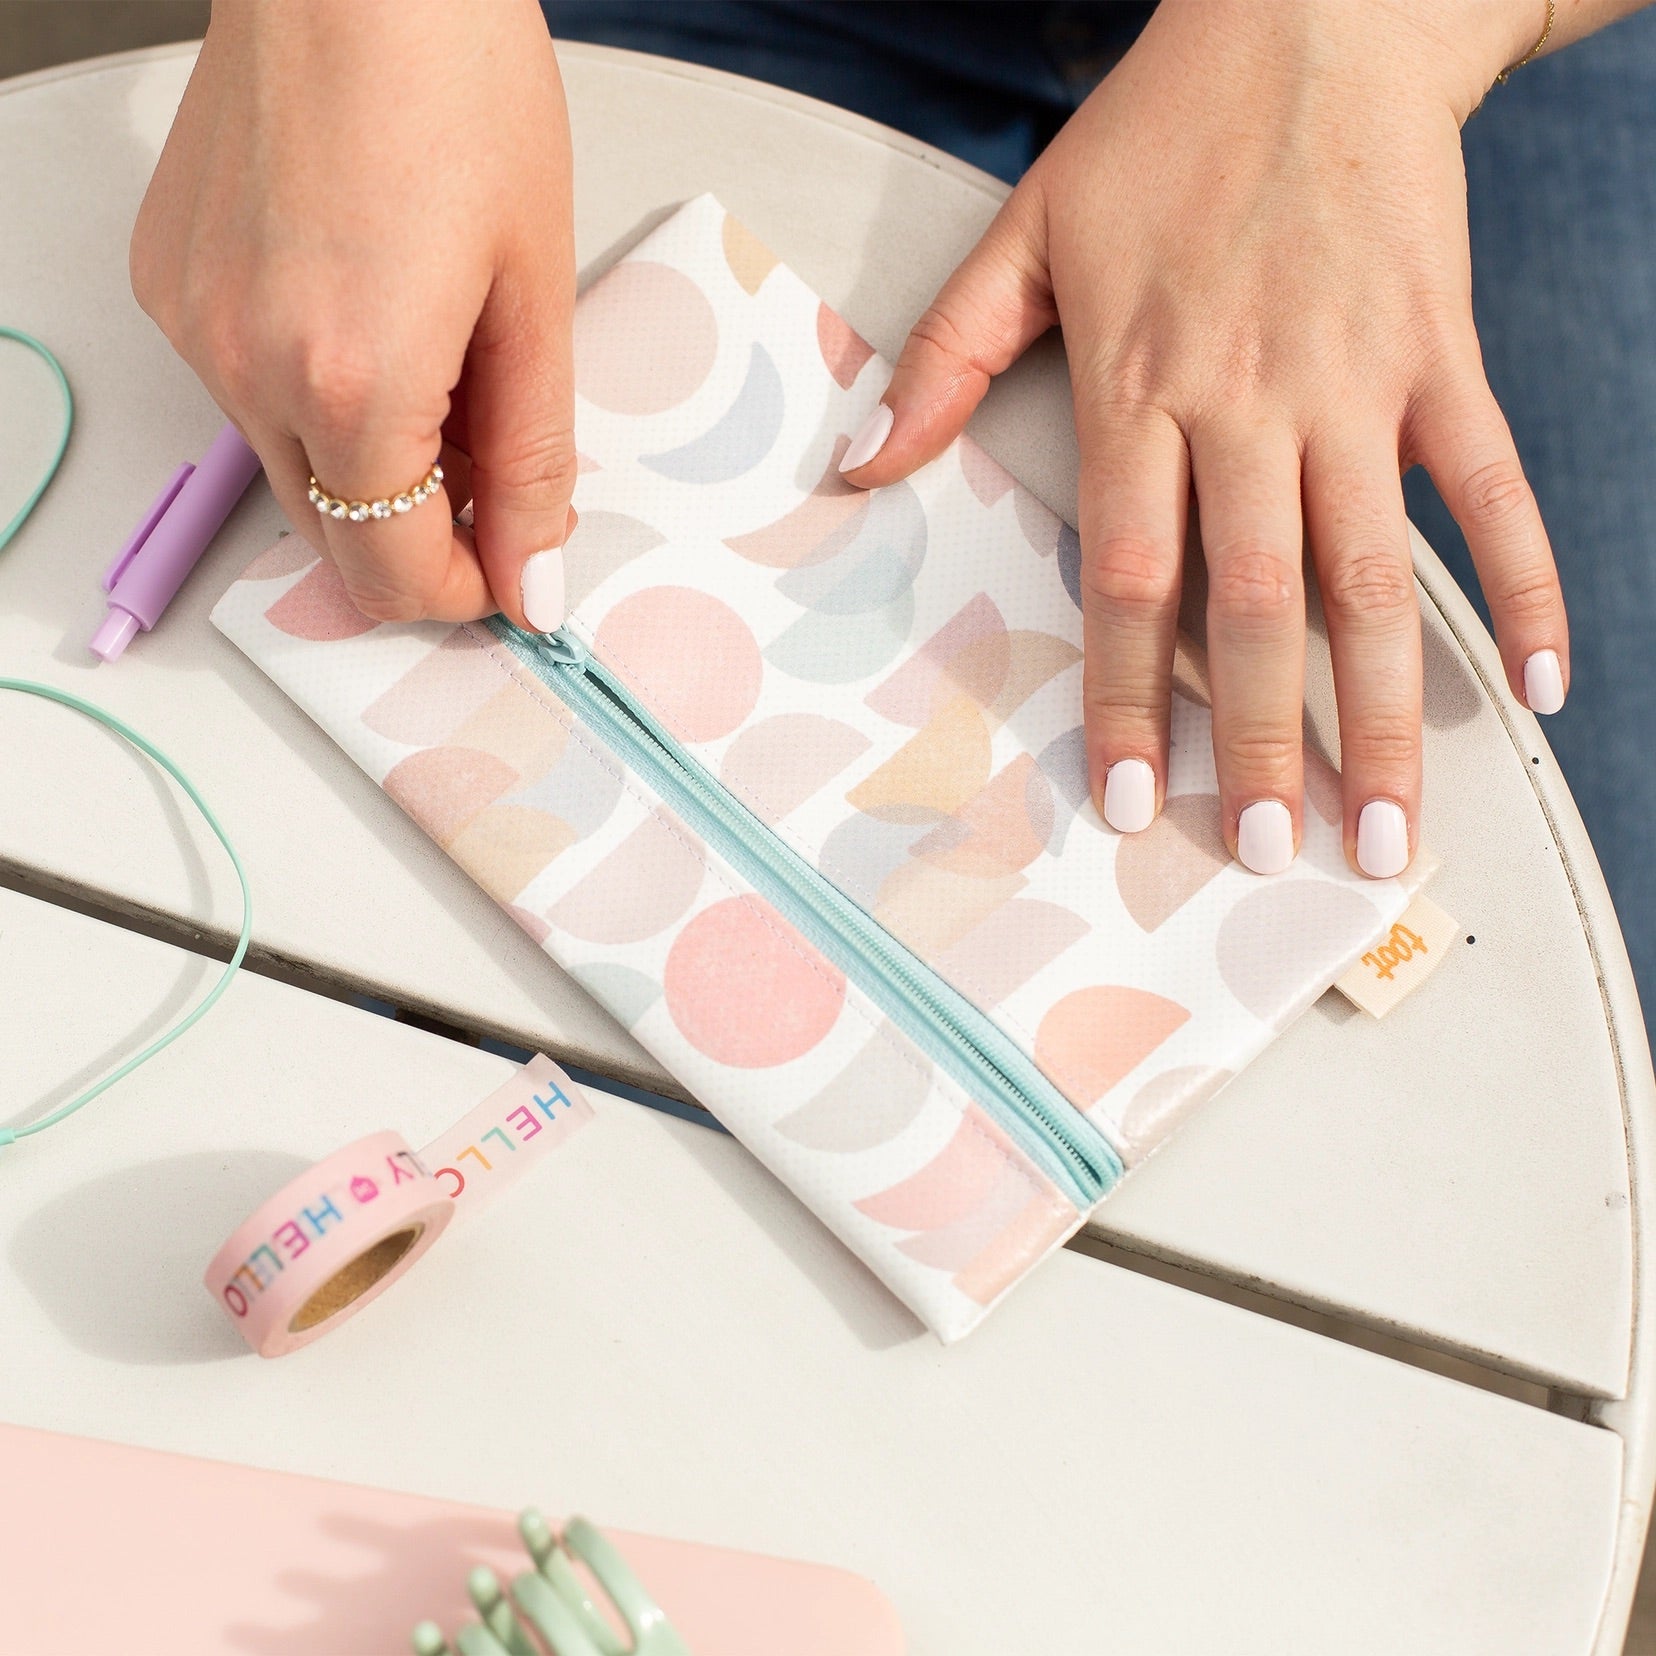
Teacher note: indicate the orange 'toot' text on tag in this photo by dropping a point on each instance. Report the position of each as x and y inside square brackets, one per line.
[1402, 960]
[1402, 945]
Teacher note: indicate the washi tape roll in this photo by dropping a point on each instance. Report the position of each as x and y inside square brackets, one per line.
[333, 1240]
[328, 1243]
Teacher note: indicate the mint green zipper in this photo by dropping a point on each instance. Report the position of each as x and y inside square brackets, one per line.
[939, 1020]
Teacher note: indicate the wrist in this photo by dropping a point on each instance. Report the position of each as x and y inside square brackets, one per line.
[1452, 49]
[1481, 37]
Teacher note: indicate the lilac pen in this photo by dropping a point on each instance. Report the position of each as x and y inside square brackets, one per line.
[168, 544]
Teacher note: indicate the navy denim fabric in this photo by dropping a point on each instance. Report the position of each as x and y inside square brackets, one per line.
[1561, 170]
[1561, 181]
[990, 83]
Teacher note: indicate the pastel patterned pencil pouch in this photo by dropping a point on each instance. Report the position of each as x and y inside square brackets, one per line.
[798, 791]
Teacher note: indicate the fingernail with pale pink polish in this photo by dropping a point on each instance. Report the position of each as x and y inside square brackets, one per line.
[1130, 796]
[1543, 682]
[870, 439]
[1382, 839]
[543, 590]
[1265, 836]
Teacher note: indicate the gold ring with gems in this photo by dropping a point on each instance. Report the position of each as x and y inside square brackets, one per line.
[360, 511]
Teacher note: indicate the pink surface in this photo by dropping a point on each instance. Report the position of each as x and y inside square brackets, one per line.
[200, 1557]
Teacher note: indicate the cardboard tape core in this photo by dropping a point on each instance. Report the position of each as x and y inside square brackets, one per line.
[355, 1280]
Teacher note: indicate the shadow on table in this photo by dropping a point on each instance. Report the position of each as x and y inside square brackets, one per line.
[870, 1311]
[192, 979]
[392, 1576]
[116, 1262]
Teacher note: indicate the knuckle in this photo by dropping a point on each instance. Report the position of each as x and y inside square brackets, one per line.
[1129, 575]
[1256, 751]
[228, 347]
[936, 336]
[1129, 383]
[1381, 742]
[1493, 494]
[335, 380]
[1124, 708]
[1367, 581]
[1531, 598]
[381, 599]
[537, 463]
[144, 275]
[1438, 335]
[1252, 585]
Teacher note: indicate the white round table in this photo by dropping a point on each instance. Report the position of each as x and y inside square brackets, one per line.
[1470, 1177]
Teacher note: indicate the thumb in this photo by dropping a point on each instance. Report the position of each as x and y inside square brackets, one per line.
[520, 406]
[989, 312]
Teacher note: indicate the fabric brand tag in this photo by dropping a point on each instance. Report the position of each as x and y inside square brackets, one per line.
[1402, 960]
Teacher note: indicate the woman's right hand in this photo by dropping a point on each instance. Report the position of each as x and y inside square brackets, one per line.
[359, 235]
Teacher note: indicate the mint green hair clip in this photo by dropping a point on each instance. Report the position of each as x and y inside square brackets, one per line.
[551, 1601]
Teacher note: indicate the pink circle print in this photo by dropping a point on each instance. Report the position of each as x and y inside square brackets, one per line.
[746, 990]
[645, 339]
[692, 659]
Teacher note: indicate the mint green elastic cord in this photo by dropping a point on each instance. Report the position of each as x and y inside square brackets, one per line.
[63, 436]
[51, 693]
[28, 687]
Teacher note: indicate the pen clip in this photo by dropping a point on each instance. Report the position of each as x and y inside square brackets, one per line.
[146, 528]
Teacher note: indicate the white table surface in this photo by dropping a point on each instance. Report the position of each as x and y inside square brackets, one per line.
[1459, 1174]
[650, 1330]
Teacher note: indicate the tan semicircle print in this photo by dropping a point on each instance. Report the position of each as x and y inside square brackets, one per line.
[987, 478]
[637, 890]
[975, 656]
[515, 728]
[437, 694]
[1000, 954]
[814, 530]
[1000, 830]
[1276, 979]
[774, 766]
[931, 909]
[443, 788]
[932, 774]
[749, 259]
[602, 543]
[504, 847]
[1158, 870]
[878, 1094]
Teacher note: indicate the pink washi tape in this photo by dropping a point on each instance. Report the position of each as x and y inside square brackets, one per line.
[325, 1245]
[339, 1235]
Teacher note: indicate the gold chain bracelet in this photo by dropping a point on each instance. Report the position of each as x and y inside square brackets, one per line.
[1529, 57]
[1536, 50]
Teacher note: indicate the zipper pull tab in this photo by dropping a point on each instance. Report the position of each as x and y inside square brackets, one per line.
[560, 649]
